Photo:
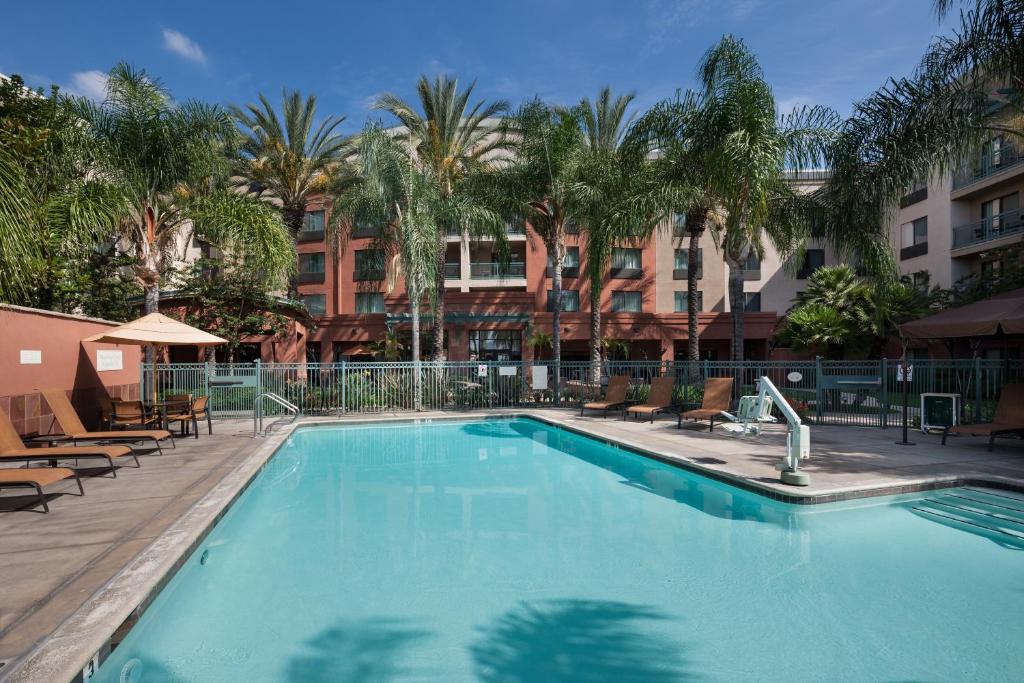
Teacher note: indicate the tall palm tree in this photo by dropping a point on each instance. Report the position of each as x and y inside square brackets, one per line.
[536, 181]
[393, 190]
[170, 165]
[452, 139]
[290, 158]
[614, 189]
[749, 161]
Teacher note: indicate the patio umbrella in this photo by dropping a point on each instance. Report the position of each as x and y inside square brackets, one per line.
[153, 330]
[1001, 313]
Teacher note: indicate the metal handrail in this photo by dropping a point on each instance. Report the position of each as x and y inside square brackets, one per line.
[257, 412]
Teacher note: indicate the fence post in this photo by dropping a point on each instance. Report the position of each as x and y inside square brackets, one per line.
[259, 384]
[819, 398]
[884, 364]
[344, 386]
[977, 389]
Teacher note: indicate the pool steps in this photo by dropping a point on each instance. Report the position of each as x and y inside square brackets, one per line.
[978, 511]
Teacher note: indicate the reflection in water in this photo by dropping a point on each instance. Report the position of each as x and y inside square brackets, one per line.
[358, 651]
[576, 640]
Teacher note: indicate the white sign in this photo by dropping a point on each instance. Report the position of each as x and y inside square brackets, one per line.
[31, 357]
[507, 370]
[794, 377]
[109, 360]
[540, 377]
[899, 373]
[481, 371]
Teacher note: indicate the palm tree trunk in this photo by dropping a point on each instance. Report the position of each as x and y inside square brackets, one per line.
[417, 376]
[556, 314]
[595, 331]
[439, 354]
[293, 217]
[695, 222]
[151, 304]
[737, 304]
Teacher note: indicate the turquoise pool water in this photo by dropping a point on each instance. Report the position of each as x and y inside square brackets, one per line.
[514, 551]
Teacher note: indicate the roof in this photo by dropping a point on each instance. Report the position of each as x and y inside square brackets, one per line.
[1003, 313]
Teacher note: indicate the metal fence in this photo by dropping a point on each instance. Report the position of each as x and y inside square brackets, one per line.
[823, 392]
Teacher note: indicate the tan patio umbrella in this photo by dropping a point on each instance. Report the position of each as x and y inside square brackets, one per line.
[156, 329]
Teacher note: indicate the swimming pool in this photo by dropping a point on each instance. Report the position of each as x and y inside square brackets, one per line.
[511, 550]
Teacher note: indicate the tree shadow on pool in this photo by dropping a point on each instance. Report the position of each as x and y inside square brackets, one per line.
[364, 650]
[582, 641]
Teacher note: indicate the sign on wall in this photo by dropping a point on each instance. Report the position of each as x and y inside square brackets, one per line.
[107, 359]
[31, 357]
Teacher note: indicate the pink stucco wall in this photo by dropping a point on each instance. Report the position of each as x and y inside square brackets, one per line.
[67, 363]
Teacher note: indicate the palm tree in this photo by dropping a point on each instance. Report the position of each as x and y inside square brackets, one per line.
[617, 197]
[393, 190]
[749, 160]
[537, 181]
[169, 163]
[290, 158]
[451, 140]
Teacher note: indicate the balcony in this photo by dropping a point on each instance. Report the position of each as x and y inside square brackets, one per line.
[306, 278]
[496, 271]
[684, 273]
[453, 271]
[625, 273]
[567, 271]
[1006, 224]
[989, 164]
[364, 231]
[310, 236]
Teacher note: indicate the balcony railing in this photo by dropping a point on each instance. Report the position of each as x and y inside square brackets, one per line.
[310, 236]
[452, 271]
[992, 162]
[987, 229]
[501, 271]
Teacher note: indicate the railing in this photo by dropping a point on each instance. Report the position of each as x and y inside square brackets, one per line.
[991, 162]
[823, 392]
[987, 229]
[452, 271]
[501, 271]
[257, 413]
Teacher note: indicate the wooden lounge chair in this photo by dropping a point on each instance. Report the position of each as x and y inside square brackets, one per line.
[658, 400]
[614, 397]
[1009, 418]
[67, 419]
[12, 448]
[36, 478]
[717, 396]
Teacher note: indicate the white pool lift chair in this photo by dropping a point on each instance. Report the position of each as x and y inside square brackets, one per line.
[751, 413]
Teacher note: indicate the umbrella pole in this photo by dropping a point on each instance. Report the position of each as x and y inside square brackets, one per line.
[153, 392]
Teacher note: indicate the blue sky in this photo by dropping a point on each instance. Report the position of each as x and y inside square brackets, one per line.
[829, 52]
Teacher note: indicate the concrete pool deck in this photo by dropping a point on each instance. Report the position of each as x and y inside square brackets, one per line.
[71, 577]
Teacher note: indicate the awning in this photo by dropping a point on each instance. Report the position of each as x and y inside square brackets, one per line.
[358, 350]
[1001, 313]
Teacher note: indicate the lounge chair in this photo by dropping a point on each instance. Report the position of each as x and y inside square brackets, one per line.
[189, 412]
[12, 448]
[1009, 418]
[614, 397]
[132, 414]
[36, 478]
[717, 396]
[658, 400]
[67, 419]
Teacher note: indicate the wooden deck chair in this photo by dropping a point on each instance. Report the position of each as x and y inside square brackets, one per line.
[658, 400]
[12, 448]
[717, 396]
[36, 478]
[614, 397]
[67, 419]
[1009, 418]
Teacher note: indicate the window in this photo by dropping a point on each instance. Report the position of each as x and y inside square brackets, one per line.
[313, 222]
[752, 267]
[626, 302]
[626, 263]
[499, 345]
[570, 300]
[362, 229]
[571, 264]
[1002, 214]
[312, 352]
[679, 225]
[369, 302]
[752, 302]
[918, 193]
[369, 265]
[311, 267]
[316, 304]
[680, 269]
[914, 238]
[813, 259]
[572, 227]
[682, 302]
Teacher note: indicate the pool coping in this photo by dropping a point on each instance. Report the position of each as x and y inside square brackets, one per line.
[84, 639]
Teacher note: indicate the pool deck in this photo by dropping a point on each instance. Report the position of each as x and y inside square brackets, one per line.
[74, 575]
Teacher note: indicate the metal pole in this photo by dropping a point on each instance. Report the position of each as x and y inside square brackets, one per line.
[906, 398]
[885, 392]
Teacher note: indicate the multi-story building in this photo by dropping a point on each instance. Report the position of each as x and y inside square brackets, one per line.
[961, 224]
[493, 304]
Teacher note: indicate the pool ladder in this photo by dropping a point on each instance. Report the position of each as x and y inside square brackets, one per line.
[995, 515]
[257, 413]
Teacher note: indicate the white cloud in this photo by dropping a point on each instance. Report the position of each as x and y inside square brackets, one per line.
[183, 46]
[666, 16]
[91, 84]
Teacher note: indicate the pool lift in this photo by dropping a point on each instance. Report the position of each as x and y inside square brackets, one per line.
[753, 411]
